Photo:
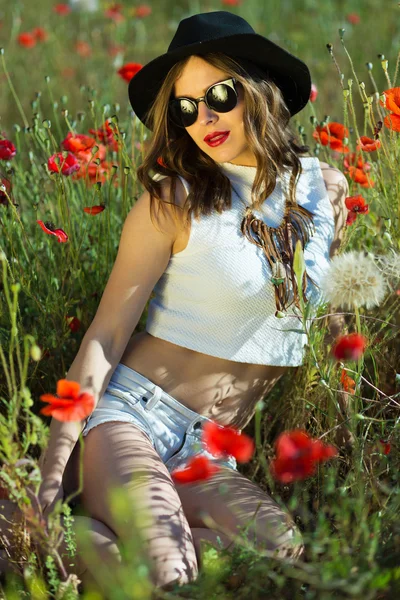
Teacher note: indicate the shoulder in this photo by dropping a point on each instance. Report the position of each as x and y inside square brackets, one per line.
[337, 190]
[171, 214]
[333, 177]
[180, 192]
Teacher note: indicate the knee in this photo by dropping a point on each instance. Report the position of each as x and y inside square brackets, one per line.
[167, 580]
[291, 546]
[281, 537]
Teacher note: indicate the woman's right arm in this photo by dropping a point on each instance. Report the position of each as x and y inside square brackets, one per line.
[143, 255]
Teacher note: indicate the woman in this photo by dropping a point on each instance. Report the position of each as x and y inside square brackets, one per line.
[219, 333]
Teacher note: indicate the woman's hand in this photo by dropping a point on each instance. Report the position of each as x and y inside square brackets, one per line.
[48, 502]
[43, 503]
[50, 491]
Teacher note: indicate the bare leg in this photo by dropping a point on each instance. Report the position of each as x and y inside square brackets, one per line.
[105, 550]
[120, 456]
[242, 505]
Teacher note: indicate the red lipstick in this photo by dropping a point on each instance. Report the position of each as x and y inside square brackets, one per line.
[216, 138]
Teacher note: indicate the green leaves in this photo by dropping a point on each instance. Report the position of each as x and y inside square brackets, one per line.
[299, 265]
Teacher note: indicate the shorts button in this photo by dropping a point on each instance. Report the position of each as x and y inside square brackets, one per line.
[197, 425]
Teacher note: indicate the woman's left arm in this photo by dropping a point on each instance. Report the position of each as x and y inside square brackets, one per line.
[338, 189]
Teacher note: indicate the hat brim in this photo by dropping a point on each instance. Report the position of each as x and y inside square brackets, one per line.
[289, 72]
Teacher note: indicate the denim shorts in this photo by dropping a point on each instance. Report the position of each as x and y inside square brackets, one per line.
[173, 429]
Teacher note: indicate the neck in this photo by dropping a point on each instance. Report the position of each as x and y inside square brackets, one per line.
[242, 178]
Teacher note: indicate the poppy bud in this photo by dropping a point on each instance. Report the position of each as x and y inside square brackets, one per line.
[279, 314]
[36, 353]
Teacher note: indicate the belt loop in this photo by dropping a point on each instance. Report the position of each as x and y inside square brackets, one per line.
[154, 399]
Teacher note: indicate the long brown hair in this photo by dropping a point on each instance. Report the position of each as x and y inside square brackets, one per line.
[268, 132]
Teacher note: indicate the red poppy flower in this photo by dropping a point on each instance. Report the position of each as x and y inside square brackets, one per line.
[81, 147]
[297, 455]
[222, 441]
[40, 34]
[198, 468]
[7, 185]
[77, 142]
[386, 446]
[392, 100]
[7, 150]
[106, 135]
[231, 2]
[351, 159]
[353, 18]
[51, 230]
[86, 156]
[314, 93]
[141, 11]
[27, 40]
[94, 210]
[62, 9]
[73, 323]
[368, 144]
[332, 134]
[68, 165]
[347, 382]
[69, 404]
[357, 204]
[114, 13]
[93, 173]
[349, 347]
[392, 103]
[129, 70]
[359, 176]
[83, 48]
[351, 217]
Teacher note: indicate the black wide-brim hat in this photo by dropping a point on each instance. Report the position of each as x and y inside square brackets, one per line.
[222, 31]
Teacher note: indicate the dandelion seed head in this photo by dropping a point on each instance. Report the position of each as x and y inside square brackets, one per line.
[389, 265]
[353, 280]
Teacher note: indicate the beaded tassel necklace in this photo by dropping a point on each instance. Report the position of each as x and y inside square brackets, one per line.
[278, 244]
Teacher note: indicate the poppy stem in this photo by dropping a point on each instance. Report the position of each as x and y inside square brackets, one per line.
[259, 448]
[14, 93]
[54, 104]
[361, 359]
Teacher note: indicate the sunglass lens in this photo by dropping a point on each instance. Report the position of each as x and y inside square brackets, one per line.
[183, 113]
[222, 98]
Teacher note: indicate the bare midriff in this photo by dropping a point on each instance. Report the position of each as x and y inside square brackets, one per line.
[221, 389]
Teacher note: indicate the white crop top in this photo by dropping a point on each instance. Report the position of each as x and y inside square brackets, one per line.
[216, 295]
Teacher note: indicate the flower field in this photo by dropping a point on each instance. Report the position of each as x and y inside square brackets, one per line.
[326, 441]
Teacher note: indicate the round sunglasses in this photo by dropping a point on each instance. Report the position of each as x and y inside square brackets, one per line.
[221, 97]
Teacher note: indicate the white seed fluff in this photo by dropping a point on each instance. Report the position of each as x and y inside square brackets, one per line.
[389, 265]
[353, 280]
